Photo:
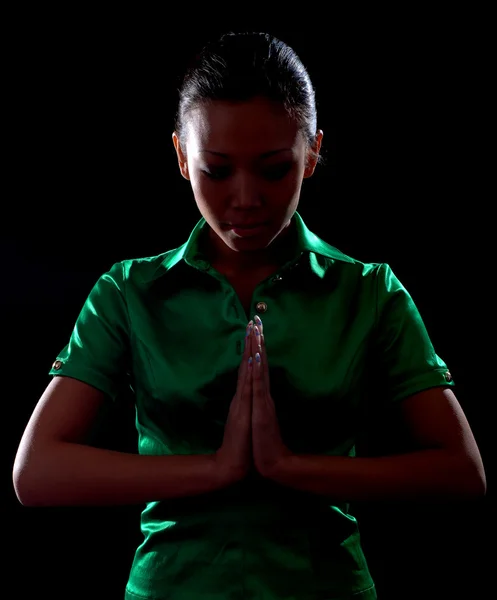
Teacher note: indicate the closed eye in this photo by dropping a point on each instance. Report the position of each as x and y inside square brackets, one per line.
[277, 172]
[273, 173]
[216, 173]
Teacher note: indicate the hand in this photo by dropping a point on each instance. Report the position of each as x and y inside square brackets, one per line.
[267, 446]
[234, 457]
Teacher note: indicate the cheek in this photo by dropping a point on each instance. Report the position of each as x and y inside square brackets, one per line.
[201, 186]
[289, 188]
[207, 192]
[208, 196]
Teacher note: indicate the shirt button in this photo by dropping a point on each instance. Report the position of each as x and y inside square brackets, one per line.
[261, 307]
[57, 364]
[448, 376]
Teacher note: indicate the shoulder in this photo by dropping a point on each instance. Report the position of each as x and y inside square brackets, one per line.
[141, 270]
[377, 276]
[369, 283]
[333, 258]
[335, 262]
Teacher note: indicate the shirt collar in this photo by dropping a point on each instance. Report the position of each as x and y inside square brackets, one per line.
[307, 244]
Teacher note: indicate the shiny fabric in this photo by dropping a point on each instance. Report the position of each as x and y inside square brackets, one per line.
[342, 338]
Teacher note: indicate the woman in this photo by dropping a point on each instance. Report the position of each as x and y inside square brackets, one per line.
[247, 433]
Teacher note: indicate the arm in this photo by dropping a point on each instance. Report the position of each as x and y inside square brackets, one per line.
[54, 467]
[448, 464]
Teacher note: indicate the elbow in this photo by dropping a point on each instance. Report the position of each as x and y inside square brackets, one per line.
[24, 488]
[473, 480]
[476, 489]
[479, 478]
[480, 485]
[19, 481]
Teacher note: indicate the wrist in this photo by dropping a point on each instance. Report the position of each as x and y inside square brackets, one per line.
[225, 474]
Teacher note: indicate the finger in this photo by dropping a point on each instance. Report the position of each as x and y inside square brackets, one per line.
[243, 369]
[258, 373]
[247, 369]
[258, 322]
[257, 346]
[248, 330]
[265, 363]
[247, 389]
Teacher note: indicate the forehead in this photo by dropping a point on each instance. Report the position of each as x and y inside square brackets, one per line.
[246, 128]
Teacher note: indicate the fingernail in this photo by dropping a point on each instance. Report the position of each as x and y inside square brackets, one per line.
[257, 319]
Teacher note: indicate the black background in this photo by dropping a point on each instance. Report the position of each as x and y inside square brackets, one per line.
[91, 178]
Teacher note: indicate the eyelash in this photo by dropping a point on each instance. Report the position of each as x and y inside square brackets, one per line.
[272, 174]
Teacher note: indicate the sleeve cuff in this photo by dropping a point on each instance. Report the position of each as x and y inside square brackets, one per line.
[86, 375]
[437, 377]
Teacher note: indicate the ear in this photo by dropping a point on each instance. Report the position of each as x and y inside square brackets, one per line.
[313, 154]
[182, 161]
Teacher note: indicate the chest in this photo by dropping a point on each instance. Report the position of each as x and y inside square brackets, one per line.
[245, 293]
[245, 286]
[186, 353]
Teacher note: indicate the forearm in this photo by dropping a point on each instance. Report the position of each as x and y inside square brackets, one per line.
[68, 474]
[427, 474]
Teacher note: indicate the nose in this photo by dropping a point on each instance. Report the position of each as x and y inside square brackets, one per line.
[246, 192]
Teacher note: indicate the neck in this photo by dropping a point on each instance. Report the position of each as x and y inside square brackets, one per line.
[276, 254]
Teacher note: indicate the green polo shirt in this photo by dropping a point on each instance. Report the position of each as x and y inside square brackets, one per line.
[343, 338]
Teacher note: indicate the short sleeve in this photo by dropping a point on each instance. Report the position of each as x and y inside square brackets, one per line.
[97, 351]
[404, 352]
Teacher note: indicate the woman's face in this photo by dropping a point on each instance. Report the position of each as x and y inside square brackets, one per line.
[246, 162]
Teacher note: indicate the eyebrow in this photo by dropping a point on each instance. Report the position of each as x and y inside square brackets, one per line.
[263, 155]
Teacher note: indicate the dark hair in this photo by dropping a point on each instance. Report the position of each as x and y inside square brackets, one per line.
[241, 66]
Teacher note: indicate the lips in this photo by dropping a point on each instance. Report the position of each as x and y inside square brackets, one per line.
[247, 225]
[248, 232]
